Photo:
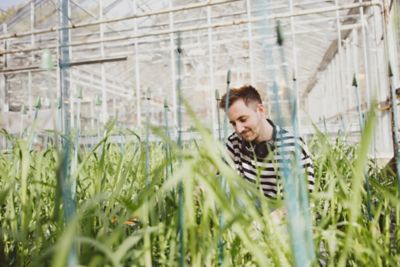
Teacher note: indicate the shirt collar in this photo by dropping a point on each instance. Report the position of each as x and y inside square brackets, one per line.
[274, 130]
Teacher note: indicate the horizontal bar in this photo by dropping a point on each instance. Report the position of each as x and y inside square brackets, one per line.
[205, 27]
[71, 64]
[97, 61]
[147, 14]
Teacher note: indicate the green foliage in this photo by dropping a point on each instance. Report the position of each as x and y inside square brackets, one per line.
[120, 218]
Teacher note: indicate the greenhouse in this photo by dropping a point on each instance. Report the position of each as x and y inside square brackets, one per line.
[199, 133]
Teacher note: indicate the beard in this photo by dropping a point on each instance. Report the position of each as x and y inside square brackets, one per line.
[248, 135]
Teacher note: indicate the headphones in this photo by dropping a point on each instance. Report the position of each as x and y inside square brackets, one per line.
[261, 149]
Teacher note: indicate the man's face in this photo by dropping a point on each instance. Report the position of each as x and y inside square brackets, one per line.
[247, 120]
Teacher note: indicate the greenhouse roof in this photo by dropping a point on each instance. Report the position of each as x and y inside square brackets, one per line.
[133, 56]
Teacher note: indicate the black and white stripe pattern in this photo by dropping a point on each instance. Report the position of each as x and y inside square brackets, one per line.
[265, 161]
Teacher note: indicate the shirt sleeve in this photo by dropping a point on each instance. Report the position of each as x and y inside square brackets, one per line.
[230, 149]
[307, 165]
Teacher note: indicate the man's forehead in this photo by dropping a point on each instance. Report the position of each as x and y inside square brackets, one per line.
[240, 104]
[239, 109]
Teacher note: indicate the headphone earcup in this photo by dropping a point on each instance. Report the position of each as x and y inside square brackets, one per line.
[261, 150]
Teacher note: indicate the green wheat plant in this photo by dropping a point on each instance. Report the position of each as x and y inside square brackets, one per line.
[118, 206]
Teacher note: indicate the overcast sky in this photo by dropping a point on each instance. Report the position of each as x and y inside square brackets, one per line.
[4, 4]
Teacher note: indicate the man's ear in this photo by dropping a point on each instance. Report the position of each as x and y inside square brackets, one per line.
[261, 108]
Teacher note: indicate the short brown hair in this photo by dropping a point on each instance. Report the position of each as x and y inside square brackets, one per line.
[246, 92]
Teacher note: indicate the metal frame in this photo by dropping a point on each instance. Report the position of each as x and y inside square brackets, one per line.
[213, 27]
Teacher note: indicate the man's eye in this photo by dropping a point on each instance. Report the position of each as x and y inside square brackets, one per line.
[243, 119]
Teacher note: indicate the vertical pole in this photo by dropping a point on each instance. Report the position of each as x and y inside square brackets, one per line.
[393, 75]
[181, 210]
[395, 127]
[295, 91]
[22, 118]
[365, 55]
[65, 87]
[166, 145]
[331, 90]
[169, 138]
[32, 41]
[168, 156]
[3, 94]
[296, 190]
[173, 65]
[228, 82]
[148, 122]
[3, 106]
[59, 98]
[72, 105]
[147, 239]
[324, 108]
[390, 41]
[104, 107]
[92, 116]
[339, 78]
[4, 84]
[97, 113]
[358, 103]
[337, 89]
[366, 182]
[343, 85]
[383, 127]
[217, 99]
[223, 183]
[78, 112]
[391, 54]
[250, 39]
[348, 79]
[211, 70]
[66, 185]
[77, 98]
[137, 71]
[115, 110]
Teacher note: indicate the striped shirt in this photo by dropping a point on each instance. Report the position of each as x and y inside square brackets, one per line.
[262, 163]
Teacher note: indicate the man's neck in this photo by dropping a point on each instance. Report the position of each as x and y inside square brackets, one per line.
[266, 132]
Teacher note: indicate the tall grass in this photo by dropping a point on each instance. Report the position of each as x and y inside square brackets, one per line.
[117, 208]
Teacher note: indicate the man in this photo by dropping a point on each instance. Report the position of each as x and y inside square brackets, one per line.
[257, 141]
